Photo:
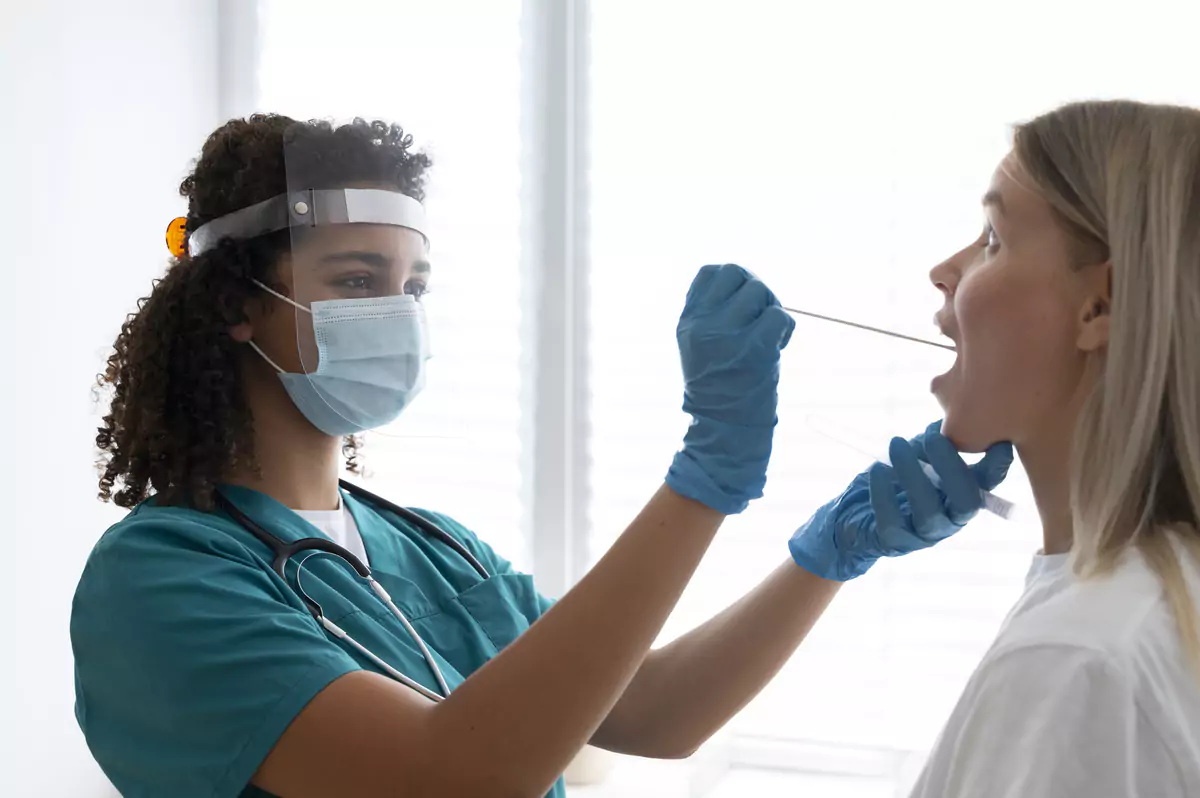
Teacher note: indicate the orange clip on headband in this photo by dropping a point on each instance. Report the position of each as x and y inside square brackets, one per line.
[177, 236]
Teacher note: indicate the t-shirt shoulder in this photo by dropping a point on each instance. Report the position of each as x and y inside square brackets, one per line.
[1116, 615]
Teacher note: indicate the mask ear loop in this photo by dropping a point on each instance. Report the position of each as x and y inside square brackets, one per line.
[265, 357]
[278, 295]
[288, 300]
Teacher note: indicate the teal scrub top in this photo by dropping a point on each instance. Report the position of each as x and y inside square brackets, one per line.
[192, 656]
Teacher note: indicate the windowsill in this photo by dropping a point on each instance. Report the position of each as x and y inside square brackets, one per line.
[631, 777]
[642, 778]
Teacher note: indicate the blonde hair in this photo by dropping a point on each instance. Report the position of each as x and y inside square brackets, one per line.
[1124, 179]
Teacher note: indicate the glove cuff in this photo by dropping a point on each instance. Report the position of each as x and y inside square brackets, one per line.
[687, 478]
[814, 548]
[723, 466]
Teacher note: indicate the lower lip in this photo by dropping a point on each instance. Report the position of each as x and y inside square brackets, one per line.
[941, 379]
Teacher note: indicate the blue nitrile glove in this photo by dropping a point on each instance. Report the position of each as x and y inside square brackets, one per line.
[730, 335]
[891, 510]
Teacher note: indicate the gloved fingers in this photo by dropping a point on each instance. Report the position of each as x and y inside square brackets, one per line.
[897, 541]
[963, 496]
[713, 286]
[774, 327]
[700, 283]
[993, 468]
[789, 324]
[918, 443]
[885, 503]
[924, 500]
[892, 535]
[746, 305]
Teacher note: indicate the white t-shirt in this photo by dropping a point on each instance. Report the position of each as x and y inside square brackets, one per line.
[1085, 693]
[340, 527]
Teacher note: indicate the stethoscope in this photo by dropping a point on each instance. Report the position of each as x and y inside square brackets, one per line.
[285, 551]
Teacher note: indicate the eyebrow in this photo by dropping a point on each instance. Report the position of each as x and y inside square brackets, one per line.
[994, 198]
[373, 259]
[421, 267]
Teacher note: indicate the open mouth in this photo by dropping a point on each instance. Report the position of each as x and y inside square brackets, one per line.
[946, 326]
[940, 380]
[948, 331]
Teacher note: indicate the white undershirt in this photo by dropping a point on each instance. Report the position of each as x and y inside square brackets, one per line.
[339, 526]
[1086, 692]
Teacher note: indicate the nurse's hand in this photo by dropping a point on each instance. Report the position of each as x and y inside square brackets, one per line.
[892, 510]
[730, 335]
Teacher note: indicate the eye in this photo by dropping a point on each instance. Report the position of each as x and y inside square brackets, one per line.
[989, 240]
[416, 288]
[356, 282]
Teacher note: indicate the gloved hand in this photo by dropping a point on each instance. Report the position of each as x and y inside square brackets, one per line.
[891, 510]
[730, 335]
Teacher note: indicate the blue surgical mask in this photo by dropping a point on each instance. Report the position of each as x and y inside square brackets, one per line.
[371, 356]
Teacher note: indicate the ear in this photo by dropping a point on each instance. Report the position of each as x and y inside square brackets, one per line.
[255, 309]
[1097, 309]
[242, 333]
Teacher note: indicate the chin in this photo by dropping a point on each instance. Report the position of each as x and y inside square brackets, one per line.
[967, 420]
[967, 437]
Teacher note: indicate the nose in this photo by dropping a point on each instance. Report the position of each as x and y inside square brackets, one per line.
[945, 277]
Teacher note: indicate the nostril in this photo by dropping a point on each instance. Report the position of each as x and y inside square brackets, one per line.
[944, 277]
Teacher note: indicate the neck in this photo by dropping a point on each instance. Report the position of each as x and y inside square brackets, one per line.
[297, 464]
[1047, 463]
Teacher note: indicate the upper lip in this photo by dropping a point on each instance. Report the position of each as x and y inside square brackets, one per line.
[944, 323]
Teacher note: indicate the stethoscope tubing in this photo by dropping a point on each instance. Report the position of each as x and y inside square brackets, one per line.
[283, 552]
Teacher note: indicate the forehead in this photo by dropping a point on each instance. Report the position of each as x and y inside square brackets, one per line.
[400, 245]
[1014, 187]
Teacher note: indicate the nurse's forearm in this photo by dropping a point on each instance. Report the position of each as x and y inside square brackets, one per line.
[689, 689]
[517, 722]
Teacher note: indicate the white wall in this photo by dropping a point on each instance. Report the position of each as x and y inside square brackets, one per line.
[102, 106]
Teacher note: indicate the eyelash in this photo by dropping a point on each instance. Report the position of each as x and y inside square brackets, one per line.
[362, 282]
[991, 242]
[358, 282]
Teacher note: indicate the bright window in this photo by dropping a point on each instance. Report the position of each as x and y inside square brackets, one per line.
[839, 150]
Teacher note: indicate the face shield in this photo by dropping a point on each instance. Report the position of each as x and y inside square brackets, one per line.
[353, 272]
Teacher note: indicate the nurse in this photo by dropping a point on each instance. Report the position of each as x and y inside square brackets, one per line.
[210, 663]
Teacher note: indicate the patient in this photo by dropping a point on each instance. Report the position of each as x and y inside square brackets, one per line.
[1077, 319]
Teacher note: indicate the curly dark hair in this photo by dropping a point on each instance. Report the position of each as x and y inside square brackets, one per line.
[178, 420]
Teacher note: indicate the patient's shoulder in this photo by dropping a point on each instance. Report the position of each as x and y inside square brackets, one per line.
[1119, 613]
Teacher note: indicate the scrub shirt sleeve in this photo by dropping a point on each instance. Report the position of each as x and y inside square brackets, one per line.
[1038, 722]
[191, 659]
[489, 558]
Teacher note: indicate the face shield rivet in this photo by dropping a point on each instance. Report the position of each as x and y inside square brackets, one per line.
[301, 208]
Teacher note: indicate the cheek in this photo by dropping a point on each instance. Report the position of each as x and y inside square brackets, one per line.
[1016, 343]
[994, 315]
